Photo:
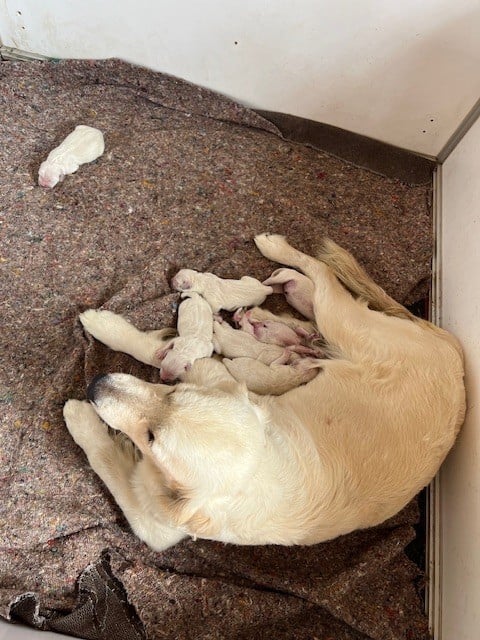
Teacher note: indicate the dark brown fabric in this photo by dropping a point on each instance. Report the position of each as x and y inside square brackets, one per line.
[102, 610]
[187, 179]
[362, 151]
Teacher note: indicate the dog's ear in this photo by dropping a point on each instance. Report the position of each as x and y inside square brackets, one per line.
[212, 442]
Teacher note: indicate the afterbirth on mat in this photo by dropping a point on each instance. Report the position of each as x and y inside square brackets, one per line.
[187, 179]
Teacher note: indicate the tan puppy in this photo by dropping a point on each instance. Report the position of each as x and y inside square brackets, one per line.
[345, 451]
[268, 369]
[275, 379]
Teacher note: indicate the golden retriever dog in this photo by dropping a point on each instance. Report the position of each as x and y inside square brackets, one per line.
[344, 451]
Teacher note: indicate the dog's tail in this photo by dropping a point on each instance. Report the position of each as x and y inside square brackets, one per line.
[358, 282]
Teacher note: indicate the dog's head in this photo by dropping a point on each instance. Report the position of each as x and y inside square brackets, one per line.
[203, 439]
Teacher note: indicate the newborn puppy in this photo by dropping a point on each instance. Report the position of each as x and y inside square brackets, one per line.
[260, 314]
[84, 144]
[221, 293]
[194, 341]
[297, 288]
[276, 332]
[275, 379]
[233, 343]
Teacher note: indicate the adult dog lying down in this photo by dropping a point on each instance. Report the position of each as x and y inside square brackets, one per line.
[345, 451]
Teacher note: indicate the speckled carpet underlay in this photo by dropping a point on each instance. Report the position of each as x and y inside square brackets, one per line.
[187, 179]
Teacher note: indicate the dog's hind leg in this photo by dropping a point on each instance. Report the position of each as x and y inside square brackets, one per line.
[345, 322]
[116, 465]
[357, 280]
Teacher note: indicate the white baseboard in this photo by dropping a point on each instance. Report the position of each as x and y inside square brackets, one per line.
[10, 53]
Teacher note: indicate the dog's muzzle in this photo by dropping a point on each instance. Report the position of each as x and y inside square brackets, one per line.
[95, 386]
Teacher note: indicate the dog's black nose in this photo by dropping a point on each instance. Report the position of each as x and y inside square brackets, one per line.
[94, 385]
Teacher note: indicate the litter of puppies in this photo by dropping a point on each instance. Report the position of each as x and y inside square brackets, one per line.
[280, 352]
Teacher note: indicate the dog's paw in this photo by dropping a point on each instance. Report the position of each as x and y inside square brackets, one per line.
[107, 327]
[84, 425]
[98, 322]
[272, 245]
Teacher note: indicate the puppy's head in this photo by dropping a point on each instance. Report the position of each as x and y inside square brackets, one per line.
[49, 174]
[183, 280]
[205, 439]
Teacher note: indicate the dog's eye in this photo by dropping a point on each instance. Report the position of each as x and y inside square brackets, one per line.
[150, 436]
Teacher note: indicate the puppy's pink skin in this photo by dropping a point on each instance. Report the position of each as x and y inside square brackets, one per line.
[275, 333]
[267, 331]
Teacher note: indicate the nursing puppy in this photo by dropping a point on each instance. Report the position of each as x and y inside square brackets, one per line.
[345, 451]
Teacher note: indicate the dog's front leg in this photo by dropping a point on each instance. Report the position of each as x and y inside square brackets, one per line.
[120, 335]
[116, 465]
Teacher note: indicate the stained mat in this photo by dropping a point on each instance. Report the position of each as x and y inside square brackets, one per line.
[187, 179]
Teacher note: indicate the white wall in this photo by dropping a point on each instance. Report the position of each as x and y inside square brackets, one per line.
[460, 312]
[405, 72]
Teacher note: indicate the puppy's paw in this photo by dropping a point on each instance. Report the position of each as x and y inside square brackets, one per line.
[272, 245]
[84, 425]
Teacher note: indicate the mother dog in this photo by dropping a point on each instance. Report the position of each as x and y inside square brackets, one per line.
[345, 451]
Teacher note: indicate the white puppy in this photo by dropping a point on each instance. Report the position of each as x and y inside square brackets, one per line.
[84, 144]
[220, 293]
[194, 341]
[273, 380]
[260, 314]
[234, 343]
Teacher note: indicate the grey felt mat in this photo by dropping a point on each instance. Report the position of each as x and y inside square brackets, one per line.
[187, 179]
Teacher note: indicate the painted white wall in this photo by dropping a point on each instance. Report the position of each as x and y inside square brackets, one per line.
[402, 72]
[460, 313]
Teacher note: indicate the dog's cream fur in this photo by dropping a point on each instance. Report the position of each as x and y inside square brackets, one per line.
[345, 451]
